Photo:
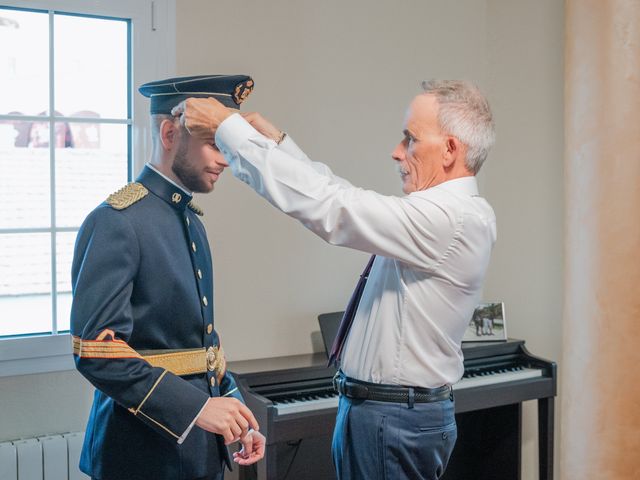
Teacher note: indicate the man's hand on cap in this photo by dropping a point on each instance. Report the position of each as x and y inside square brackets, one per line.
[201, 116]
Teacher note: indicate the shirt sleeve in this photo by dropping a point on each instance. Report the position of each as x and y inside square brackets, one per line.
[291, 148]
[105, 263]
[410, 229]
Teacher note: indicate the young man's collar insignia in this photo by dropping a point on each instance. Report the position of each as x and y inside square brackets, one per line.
[127, 196]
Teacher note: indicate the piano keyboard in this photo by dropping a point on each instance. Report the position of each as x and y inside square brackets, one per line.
[306, 404]
[329, 399]
[499, 376]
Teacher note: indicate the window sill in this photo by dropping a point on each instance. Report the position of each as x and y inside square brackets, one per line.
[38, 354]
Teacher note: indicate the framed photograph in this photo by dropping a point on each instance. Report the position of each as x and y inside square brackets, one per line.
[487, 324]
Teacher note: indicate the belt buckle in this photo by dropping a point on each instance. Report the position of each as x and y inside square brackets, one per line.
[213, 362]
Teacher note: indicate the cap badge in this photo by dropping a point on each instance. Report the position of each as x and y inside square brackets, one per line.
[176, 197]
[242, 91]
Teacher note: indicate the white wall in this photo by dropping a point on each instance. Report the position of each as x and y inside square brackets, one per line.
[337, 76]
[33, 405]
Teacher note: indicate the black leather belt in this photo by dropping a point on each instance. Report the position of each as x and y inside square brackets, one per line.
[359, 390]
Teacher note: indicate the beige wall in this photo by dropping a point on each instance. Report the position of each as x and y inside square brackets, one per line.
[337, 76]
[524, 182]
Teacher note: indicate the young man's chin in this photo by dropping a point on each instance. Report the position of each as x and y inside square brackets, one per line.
[208, 188]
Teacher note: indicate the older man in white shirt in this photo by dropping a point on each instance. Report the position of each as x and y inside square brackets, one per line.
[432, 247]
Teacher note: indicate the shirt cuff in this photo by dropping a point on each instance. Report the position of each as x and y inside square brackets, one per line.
[291, 148]
[234, 131]
[188, 430]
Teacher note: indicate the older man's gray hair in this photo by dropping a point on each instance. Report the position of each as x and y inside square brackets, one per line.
[464, 113]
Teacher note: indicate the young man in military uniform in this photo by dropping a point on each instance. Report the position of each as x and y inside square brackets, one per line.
[142, 314]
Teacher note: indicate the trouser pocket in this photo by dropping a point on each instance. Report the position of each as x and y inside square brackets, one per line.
[381, 450]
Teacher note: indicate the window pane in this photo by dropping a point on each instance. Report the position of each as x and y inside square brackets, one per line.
[90, 67]
[25, 283]
[87, 173]
[24, 176]
[24, 62]
[64, 256]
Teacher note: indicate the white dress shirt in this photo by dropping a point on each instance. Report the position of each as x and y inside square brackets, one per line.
[432, 246]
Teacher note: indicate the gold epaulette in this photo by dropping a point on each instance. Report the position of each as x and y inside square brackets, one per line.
[127, 196]
[196, 209]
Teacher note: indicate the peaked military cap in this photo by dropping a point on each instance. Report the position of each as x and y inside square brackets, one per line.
[230, 90]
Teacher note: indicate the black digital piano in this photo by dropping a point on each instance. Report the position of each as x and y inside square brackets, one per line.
[294, 402]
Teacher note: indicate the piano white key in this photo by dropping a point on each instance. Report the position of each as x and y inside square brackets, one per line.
[508, 376]
[306, 405]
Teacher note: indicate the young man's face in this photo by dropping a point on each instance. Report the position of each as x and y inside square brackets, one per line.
[198, 164]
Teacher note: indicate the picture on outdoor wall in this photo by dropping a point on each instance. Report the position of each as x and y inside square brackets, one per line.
[487, 324]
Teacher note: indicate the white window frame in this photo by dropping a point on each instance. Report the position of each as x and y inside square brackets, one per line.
[153, 41]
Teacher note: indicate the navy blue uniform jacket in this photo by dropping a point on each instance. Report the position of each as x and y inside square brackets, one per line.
[142, 280]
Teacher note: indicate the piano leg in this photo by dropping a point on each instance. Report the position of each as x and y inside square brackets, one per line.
[488, 446]
[268, 468]
[545, 437]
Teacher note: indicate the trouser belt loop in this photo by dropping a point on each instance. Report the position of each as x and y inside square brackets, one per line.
[412, 397]
[336, 381]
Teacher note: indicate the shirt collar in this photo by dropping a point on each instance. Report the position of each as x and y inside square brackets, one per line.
[461, 186]
[168, 179]
[163, 187]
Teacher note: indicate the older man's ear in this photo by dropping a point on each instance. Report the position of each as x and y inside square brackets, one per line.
[201, 116]
[455, 153]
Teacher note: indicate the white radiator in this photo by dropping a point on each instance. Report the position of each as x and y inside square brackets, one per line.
[53, 457]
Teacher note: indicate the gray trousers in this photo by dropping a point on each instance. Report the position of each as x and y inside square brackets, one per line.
[383, 440]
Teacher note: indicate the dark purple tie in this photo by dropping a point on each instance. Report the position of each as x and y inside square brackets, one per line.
[349, 314]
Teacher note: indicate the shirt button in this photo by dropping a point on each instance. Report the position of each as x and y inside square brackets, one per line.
[205, 301]
[209, 329]
[193, 246]
[200, 274]
[186, 219]
[213, 381]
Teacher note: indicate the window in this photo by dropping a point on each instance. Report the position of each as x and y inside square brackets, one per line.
[71, 125]
[64, 146]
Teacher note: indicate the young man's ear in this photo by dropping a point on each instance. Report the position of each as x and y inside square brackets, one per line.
[169, 134]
